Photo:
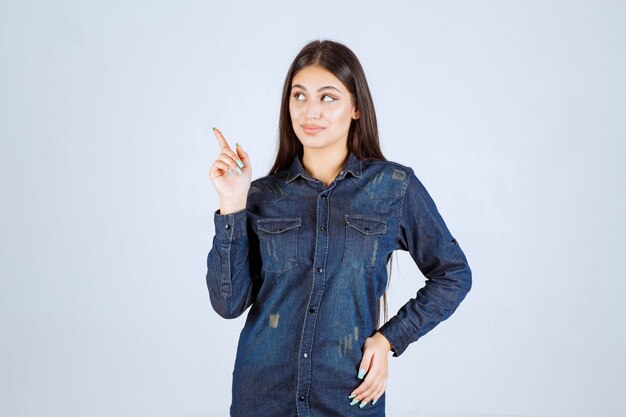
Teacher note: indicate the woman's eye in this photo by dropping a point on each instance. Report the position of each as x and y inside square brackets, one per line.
[326, 98]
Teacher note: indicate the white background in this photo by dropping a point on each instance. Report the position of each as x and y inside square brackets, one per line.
[511, 113]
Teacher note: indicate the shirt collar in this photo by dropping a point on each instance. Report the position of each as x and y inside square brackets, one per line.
[352, 165]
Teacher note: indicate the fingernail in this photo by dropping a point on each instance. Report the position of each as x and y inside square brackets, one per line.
[239, 163]
[352, 396]
[237, 144]
[361, 373]
[213, 128]
[374, 402]
[354, 402]
[363, 404]
[238, 170]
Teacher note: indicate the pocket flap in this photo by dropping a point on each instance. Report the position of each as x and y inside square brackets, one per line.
[278, 224]
[366, 225]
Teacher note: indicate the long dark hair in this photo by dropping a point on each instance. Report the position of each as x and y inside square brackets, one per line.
[363, 132]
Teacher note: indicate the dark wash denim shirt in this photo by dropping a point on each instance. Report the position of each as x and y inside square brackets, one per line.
[311, 262]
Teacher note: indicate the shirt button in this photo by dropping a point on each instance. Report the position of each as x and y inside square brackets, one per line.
[227, 226]
[306, 355]
[320, 269]
[341, 173]
[322, 228]
[302, 398]
[311, 310]
[324, 196]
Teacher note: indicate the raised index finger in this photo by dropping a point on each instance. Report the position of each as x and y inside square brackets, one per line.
[220, 138]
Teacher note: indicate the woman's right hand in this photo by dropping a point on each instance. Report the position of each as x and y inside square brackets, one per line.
[232, 188]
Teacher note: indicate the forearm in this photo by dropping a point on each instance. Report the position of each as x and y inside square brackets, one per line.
[434, 303]
[229, 277]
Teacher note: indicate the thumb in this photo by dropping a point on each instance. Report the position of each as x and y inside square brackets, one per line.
[365, 363]
[243, 155]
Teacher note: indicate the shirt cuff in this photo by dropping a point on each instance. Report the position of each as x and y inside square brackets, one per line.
[231, 226]
[395, 331]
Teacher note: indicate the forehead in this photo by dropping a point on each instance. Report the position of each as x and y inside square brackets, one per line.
[313, 77]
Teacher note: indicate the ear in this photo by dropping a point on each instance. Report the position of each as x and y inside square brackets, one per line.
[356, 114]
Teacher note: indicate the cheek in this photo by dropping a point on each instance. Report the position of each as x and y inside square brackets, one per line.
[295, 105]
[339, 114]
[294, 112]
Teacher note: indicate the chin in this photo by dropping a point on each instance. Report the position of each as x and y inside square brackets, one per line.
[311, 145]
[311, 141]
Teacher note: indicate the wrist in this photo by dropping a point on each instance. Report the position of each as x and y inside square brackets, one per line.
[389, 346]
[228, 207]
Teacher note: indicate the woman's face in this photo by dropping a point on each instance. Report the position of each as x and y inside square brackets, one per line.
[321, 109]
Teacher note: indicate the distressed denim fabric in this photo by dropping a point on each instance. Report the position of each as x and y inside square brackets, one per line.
[310, 262]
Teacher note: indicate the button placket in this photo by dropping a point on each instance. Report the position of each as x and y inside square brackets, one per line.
[306, 346]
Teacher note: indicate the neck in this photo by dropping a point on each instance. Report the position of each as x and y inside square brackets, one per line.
[324, 164]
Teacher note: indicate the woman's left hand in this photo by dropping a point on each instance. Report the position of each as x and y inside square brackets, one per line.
[375, 367]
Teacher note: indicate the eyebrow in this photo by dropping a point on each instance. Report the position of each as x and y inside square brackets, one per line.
[322, 88]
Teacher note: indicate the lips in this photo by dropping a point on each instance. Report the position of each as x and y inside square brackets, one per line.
[312, 128]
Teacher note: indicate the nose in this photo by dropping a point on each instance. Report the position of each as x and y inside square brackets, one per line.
[313, 110]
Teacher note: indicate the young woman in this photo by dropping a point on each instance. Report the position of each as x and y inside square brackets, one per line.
[307, 248]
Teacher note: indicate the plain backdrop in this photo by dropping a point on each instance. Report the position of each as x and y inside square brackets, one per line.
[511, 113]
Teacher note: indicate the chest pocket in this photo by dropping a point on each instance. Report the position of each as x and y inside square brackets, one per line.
[278, 240]
[363, 234]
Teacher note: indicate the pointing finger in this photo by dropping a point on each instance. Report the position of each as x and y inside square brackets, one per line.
[220, 138]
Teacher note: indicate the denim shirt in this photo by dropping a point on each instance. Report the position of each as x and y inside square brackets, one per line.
[310, 262]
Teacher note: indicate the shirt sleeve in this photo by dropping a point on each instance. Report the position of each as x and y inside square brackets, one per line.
[232, 265]
[424, 234]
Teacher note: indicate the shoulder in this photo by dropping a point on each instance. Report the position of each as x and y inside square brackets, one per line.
[386, 178]
[268, 188]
